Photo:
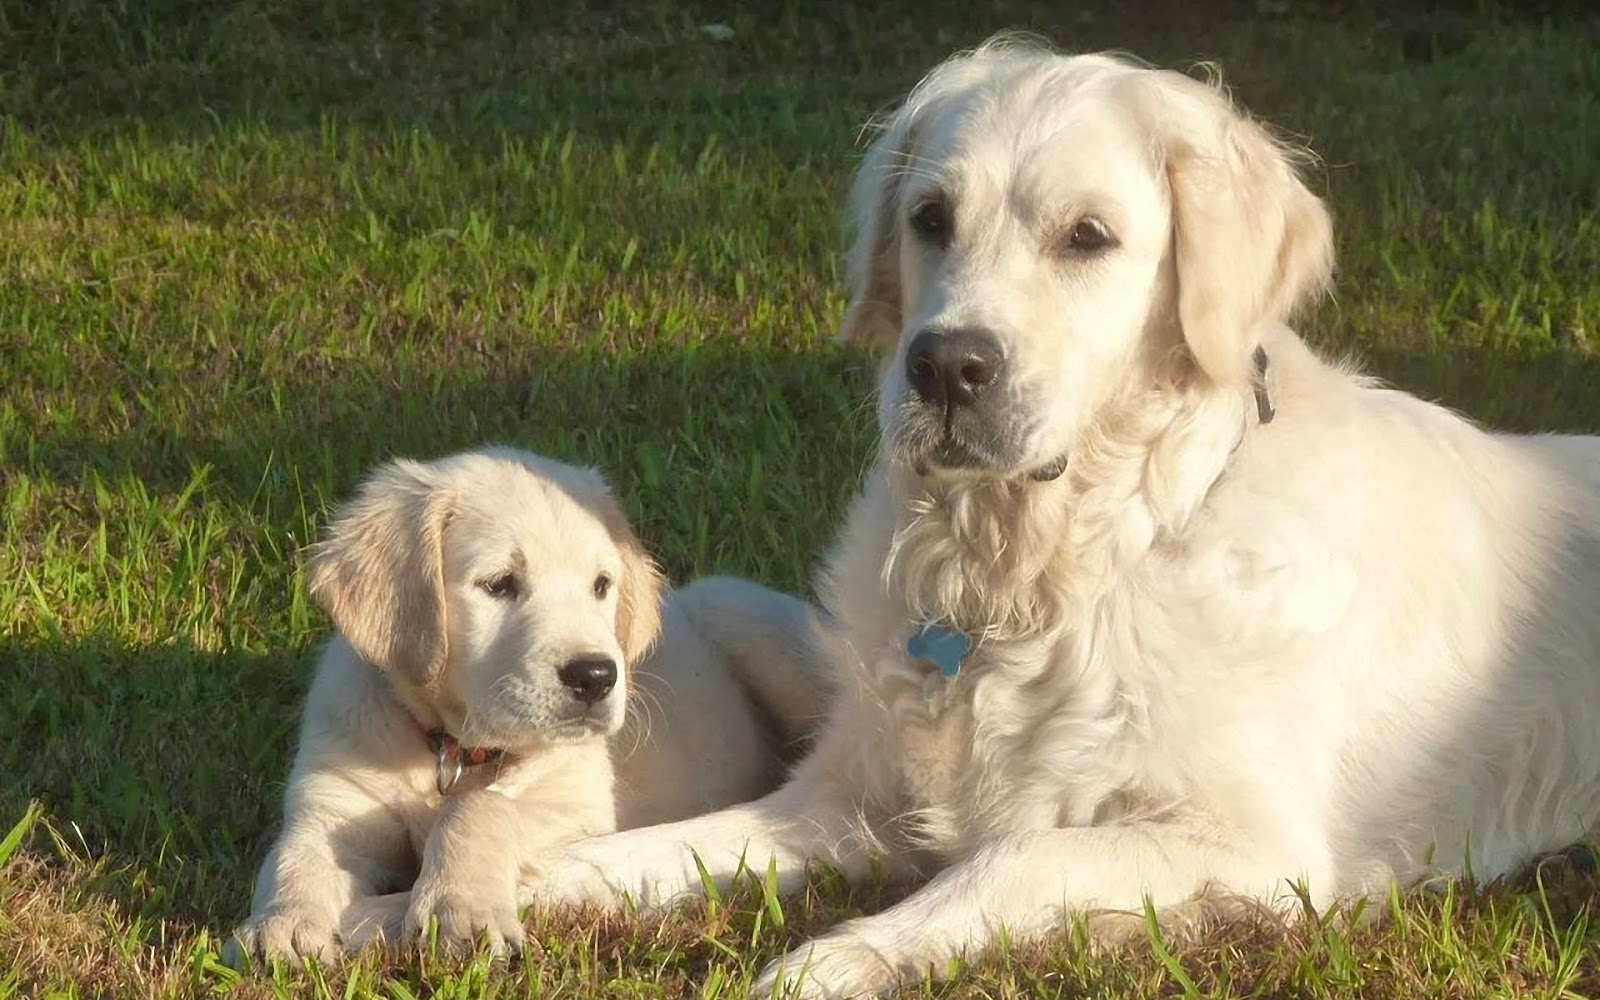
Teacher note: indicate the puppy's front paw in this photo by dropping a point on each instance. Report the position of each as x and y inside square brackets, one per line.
[828, 968]
[291, 935]
[464, 914]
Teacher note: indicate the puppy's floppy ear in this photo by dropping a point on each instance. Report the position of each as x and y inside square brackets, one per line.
[380, 575]
[641, 589]
[1251, 243]
[872, 264]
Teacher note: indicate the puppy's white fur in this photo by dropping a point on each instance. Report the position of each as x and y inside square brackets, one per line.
[1357, 643]
[458, 589]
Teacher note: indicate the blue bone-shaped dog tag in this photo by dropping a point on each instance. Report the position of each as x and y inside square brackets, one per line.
[943, 647]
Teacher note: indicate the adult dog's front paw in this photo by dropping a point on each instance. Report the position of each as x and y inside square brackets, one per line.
[464, 915]
[290, 935]
[829, 968]
[607, 871]
[573, 881]
[376, 922]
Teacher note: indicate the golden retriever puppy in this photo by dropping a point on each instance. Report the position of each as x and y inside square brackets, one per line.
[497, 622]
[1143, 599]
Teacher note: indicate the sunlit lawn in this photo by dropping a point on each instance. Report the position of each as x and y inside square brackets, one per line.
[247, 250]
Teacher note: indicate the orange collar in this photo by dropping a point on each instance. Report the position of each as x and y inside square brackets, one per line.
[459, 769]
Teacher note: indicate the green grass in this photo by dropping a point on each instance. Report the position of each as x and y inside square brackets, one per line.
[247, 250]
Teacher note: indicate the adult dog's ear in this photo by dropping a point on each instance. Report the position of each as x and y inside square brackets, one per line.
[1250, 242]
[872, 264]
[640, 591]
[379, 575]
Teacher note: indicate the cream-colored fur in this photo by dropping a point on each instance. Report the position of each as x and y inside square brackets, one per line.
[458, 589]
[1219, 654]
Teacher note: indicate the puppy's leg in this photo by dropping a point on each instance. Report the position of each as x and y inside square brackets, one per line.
[469, 874]
[338, 843]
[1023, 884]
[485, 840]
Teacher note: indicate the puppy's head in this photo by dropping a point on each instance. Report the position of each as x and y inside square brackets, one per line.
[505, 589]
[1038, 234]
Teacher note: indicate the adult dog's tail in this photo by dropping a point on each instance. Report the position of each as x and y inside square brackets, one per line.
[773, 644]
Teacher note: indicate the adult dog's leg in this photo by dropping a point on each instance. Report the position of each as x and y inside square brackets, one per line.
[1023, 884]
[809, 818]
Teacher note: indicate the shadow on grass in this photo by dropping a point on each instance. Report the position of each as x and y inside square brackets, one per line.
[636, 69]
[665, 425]
[1528, 392]
[171, 756]
[161, 767]
[161, 770]
[715, 451]
[166, 760]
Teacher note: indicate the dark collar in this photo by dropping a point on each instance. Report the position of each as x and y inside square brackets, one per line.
[1264, 408]
[458, 769]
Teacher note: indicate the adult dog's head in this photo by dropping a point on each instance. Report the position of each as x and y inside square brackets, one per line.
[1039, 235]
[503, 590]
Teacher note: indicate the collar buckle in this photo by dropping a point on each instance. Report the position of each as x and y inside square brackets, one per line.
[1265, 411]
[451, 762]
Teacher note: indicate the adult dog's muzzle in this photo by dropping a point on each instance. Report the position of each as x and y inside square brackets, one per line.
[959, 419]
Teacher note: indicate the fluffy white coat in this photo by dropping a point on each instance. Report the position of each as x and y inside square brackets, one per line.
[460, 588]
[1228, 650]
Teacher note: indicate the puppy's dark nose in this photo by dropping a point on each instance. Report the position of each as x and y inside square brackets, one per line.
[948, 368]
[589, 679]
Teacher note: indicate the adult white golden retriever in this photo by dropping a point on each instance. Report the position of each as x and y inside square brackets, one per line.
[1142, 599]
[490, 608]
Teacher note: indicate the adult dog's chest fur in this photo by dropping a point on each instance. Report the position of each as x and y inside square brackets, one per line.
[1032, 732]
[981, 755]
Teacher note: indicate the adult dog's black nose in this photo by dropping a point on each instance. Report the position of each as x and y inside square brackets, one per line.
[589, 678]
[948, 368]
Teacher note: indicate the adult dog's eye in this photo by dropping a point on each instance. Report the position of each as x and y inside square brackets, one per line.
[502, 586]
[1089, 235]
[931, 220]
[602, 586]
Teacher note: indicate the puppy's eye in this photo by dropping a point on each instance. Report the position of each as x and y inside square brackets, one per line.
[931, 220]
[1087, 236]
[502, 586]
[602, 586]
